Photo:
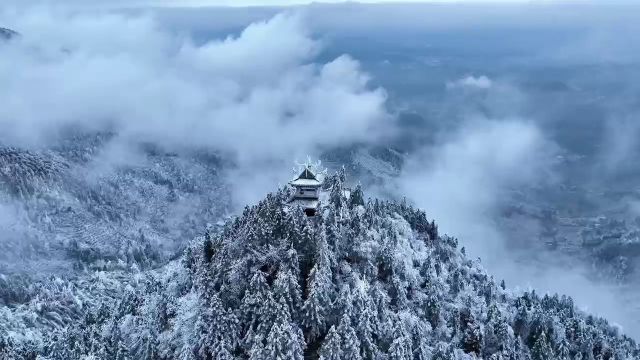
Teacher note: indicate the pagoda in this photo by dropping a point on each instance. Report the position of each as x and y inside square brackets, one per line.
[306, 191]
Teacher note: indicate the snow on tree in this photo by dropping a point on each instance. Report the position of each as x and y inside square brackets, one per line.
[361, 280]
[357, 197]
[365, 323]
[317, 307]
[541, 348]
[331, 346]
[350, 347]
[400, 348]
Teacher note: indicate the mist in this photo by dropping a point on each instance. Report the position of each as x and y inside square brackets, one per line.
[263, 89]
[490, 158]
[258, 97]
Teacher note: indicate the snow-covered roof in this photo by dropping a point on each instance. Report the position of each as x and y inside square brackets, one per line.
[306, 178]
[305, 182]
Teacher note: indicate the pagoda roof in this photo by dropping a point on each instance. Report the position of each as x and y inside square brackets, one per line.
[305, 182]
[306, 178]
[307, 174]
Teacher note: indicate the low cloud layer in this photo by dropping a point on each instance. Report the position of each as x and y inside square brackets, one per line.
[471, 82]
[260, 97]
[467, 178]
[463, 180]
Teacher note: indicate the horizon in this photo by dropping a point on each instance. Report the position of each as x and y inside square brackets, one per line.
[280, 4]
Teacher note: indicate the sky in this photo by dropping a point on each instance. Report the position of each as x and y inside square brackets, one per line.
[241, 3]
[299, 2]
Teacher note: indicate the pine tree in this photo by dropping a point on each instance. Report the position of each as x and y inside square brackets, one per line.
[357, 197]
[443, 352]
[496, 332]
[472, 336]
[318, 304]
[504, 334]
[432, 312]
[350, 346]
[256, 347]
[257, 311]
[285, 340]
[222, 350]
[216, 326]
[365, 323]
[331, 346]
[147, 348]
[563, 350]
[400, 348]
[122, 353]
[115, 348]
[288, 286]
[305, 239]
[542, 350]
[7, 348]
[68, 346]
[331, 230]
[521, 321]
[336, 197]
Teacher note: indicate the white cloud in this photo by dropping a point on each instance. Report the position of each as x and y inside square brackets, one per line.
[463, 180]
[260, 97]
[463, 183]
[471, 82]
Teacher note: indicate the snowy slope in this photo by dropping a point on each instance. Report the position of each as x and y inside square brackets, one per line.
[365, 280]
[75, 231]
[68, 203]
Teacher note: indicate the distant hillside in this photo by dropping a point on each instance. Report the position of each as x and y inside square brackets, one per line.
[363, 280]
[64, 210]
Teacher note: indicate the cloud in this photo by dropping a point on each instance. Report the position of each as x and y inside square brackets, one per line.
[467, 178]
[464, 179]
[471, 82]
[260, 96]
[620, 145]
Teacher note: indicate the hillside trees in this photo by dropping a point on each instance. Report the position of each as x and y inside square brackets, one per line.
[362, 280]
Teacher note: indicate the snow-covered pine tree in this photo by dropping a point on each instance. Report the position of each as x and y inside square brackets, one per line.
[350, 346]
[357, 197]
[365, 322]
[7, 348]
[400, 348]
[287, 285]
[331, 346]
[285, 340]
[542, 350]
[317, 308]
[371, 281]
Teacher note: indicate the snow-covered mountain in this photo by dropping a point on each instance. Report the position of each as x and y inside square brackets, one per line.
[362, 280]
[67, 207]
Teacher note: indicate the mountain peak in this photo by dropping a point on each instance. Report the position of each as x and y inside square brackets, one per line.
[360, 280]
